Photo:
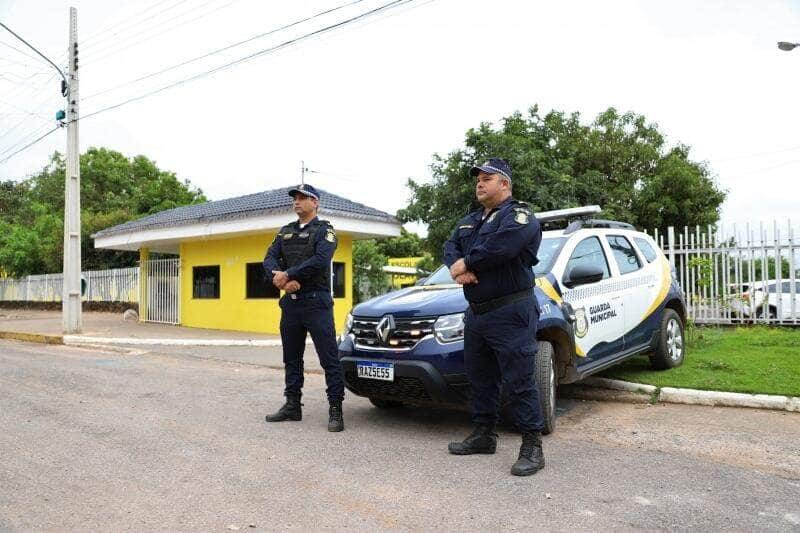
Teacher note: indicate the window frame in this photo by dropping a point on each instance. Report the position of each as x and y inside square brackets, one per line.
[602, 250]
[638, 241]
[247, 296]
[218, 286]
[633, 248]
[333, 279]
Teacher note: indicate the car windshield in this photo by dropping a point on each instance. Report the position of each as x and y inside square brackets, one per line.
[548, 251]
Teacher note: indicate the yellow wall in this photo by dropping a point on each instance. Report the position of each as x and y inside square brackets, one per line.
[233, 310]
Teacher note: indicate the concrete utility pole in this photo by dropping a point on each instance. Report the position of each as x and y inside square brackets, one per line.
[71, 296]
[302, 172]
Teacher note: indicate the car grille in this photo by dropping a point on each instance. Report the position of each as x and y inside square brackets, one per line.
[407, 333]
[402, 388]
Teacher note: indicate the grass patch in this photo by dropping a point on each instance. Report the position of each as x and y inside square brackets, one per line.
[757, 360]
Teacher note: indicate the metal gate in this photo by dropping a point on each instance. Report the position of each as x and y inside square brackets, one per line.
[160, 291]
[737, 275]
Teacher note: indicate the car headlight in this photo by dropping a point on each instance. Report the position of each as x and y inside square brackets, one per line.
[348, 324]
[449, 328]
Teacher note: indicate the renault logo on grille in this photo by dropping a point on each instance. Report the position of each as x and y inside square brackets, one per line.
[385, 328]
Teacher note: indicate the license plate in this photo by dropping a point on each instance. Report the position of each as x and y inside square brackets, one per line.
[373, 370]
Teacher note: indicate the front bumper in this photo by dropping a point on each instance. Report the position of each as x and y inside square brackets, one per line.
[414, 382]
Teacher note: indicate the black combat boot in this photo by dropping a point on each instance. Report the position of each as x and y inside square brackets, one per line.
[291, 410]
[482, 440]
[531, 457]
[335, 417]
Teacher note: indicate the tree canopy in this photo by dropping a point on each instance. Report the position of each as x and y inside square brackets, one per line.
[619, 161]
[114, 189]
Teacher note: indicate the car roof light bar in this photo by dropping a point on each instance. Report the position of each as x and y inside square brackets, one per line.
[567, 214]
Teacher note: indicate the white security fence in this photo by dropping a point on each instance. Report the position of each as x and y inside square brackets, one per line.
[159, 291]
[737, 275]
[115, 285]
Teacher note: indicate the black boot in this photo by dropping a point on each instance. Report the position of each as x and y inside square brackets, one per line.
[482, 440]
[335, 417]
[291, 410]
[531, 457]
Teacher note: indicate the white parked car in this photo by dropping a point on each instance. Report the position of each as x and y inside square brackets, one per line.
[770, 299]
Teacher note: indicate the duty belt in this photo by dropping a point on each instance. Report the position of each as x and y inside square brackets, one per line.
[480, 308]
[308, 295]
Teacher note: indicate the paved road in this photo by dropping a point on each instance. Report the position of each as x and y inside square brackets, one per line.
[102, 440]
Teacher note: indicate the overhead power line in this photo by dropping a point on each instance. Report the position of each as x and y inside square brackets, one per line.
[86, 42]
[5, 159]
[115, 48]
[225, 66]
[29, 45]
[224, 49]
[21, 110]
[23, 52]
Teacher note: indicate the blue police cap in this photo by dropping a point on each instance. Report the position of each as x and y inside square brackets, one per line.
[494, 165]
[306, 189]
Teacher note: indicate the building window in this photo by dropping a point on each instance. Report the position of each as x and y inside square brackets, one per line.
[338, 280]
[205, 281]
[257, 285]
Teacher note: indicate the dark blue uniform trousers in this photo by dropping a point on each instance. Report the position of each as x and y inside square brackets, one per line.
[499, 347]
[312, 315]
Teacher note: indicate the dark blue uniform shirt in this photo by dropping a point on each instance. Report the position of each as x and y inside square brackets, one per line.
[500, 249]
[307, 272]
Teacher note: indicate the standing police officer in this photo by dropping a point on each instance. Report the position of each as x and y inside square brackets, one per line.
[299, 263]
[491, 253]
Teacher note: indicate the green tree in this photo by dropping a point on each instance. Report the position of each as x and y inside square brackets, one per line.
[369, 279]
[408, 244]
[114, 189]
[619, 161]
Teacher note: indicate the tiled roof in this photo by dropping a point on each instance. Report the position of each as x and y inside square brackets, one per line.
[267, 202]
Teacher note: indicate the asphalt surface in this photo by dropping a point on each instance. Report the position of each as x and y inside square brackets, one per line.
[101, 440]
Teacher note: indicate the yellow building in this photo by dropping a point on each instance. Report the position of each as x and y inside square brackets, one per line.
[400, 280]
[217, 281]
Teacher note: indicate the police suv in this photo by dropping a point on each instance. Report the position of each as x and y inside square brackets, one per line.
[605, 293]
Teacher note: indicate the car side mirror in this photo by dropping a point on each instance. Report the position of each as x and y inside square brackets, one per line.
[421, 281]
[583, 275]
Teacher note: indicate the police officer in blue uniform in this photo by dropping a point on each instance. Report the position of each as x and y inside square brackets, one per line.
[299, 263]
[491, 253]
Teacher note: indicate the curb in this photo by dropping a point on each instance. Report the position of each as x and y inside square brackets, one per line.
[729, 399]
[624, 391]
[32, 337]
[77, 340]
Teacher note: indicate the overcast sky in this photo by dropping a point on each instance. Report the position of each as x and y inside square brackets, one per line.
[368, 104]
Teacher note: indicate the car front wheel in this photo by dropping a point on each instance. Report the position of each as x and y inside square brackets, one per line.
[545, 374]
[671, 347]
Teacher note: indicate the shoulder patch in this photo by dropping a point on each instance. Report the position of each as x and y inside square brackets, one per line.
[522, 217]
[330, 235]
